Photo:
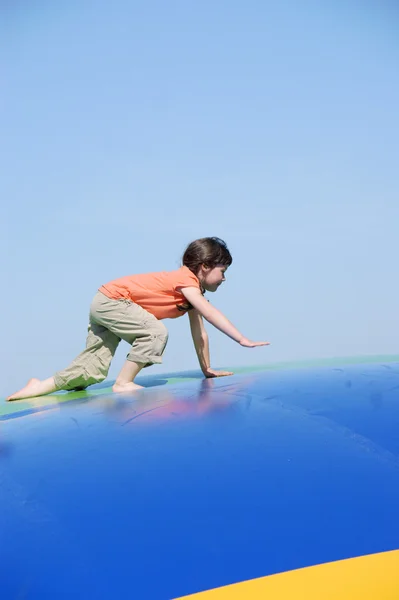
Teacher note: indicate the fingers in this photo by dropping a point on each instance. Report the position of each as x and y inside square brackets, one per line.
[255, 344]
[250, 344]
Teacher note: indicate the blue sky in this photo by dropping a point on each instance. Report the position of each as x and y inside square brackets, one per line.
[131, 128]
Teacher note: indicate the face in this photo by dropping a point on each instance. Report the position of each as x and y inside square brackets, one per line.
[212, 278]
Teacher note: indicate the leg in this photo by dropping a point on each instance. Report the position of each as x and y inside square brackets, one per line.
[147, 349]
[91, 366]
[125, 380]
[138, 327]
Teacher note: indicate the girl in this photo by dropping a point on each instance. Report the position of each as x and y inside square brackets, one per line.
[132, 308]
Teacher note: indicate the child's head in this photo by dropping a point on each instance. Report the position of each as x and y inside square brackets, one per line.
[205, 258]
[209, 252]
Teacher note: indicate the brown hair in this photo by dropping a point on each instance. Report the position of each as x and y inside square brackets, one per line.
[209, 251]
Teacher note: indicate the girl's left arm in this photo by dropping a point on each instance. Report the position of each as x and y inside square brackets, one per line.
[201, 344]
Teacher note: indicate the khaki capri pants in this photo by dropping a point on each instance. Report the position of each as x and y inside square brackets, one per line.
[110, 322]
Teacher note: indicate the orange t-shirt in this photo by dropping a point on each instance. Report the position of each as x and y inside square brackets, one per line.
[158, 293]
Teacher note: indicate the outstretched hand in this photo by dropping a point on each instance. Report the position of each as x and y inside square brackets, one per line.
[248, 344]
[212, 373]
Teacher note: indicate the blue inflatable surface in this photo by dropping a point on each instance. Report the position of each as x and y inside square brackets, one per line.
[198, 484]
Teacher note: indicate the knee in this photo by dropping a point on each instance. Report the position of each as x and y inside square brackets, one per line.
[78, 381]
[159, 336]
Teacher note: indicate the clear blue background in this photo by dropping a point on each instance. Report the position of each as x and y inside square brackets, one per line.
[130, 128]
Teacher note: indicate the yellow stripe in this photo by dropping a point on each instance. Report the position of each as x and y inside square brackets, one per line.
[372, 577]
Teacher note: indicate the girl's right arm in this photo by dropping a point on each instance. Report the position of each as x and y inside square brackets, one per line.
[216, 318]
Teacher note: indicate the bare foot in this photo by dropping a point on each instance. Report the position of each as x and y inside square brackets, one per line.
[31, 390]
[126, 387]
[35, 387]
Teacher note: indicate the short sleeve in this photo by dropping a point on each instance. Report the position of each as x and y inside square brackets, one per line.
[185, 278]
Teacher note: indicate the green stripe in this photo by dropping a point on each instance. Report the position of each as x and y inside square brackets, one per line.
[33, 404]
